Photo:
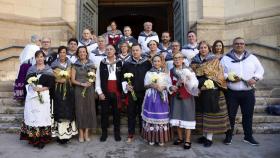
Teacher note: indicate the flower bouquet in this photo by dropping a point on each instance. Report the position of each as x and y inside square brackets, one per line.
[128, 76]
[209, 84]
[155, 79]
[91, 75]
[34, 81]
[63, 74]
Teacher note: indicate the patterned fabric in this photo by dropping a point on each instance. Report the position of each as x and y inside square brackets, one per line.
[213, 122]
[35, 135]
[157, 133]
[19, 88]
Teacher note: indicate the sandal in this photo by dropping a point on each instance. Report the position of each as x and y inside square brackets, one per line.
[178, 142]
[187, 145]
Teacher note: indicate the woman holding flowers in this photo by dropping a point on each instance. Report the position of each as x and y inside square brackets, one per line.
[182, 105]
[155, 111]
[108, 88]
[83, 76]
[64, 102]
[36, 127]
[211, 118]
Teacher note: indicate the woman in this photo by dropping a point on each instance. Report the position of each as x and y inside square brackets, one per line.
[64, 108]
[124, 54]
[108, 88]
[113, 37]
[37, 115]
[211, 117]
[25, 59]
[218, 48]
[84, 93]
[155, 112]
[182, 107]
[153, 46]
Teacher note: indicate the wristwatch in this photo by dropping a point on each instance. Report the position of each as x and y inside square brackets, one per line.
[255, 78]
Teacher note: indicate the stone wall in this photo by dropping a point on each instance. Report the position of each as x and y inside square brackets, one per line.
[255, 20]
[19, 19]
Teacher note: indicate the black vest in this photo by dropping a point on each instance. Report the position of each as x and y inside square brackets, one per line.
[104, 74]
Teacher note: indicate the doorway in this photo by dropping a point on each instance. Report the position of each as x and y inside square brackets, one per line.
[134, 14]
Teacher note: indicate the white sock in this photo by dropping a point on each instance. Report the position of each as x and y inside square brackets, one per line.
[209, 136]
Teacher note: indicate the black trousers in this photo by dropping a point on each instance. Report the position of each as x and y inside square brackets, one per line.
[133, 110]
[111, 100]
[246, 100]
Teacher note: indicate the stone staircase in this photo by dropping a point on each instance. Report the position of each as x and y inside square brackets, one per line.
[11, 112]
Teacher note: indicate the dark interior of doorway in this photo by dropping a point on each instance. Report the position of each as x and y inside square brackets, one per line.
[135, 16]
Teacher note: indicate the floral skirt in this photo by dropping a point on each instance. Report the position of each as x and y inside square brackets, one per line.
[157, 133]
[35, 135]
[64, 129]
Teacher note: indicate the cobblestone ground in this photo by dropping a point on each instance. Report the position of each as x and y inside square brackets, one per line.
[11, 147]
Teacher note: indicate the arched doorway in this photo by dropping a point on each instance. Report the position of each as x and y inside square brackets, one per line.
[134, 14]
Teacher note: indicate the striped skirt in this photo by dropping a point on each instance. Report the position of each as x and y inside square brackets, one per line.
[213, 122]
[157, 133]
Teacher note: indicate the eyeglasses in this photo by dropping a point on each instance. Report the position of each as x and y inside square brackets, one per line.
[239, 43]
[177, 58]
[46, 41]
[175, 45]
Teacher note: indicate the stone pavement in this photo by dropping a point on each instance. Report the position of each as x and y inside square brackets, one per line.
[12, 147]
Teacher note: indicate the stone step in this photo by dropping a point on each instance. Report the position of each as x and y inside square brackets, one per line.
[9, 128]
[9, 102]
[11, 109]
[262, 93]
[267, 101]
[262, 128]
[6, 94]
[6, 86]
[260, 118]
[11, 118]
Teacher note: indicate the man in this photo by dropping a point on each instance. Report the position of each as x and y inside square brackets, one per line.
[165, 45]
[46, 48]
[175, 48]
[72, 48]
[242, 70]
[29, 50]
[99, 53]
[190, 49]
[127, 38]
[138, 66]
[146, 36]
[87, 41]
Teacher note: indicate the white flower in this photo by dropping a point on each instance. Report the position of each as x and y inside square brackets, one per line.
[91, 73]
[232, 76]
[128, 75]
[209, 84]
[32, 80]
[155, 78]
[63, 73]
[90, 80]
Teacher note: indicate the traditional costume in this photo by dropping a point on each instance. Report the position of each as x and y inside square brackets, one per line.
[144, 39]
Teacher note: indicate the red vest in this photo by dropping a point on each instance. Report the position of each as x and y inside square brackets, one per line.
[181, 92]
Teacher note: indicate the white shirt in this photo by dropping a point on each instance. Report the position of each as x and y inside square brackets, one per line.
[189, 53]
[246, 69]
[143, 41]
[72, 58]
[112, 76]
[96, 59]
[28, 53]
[90, 48]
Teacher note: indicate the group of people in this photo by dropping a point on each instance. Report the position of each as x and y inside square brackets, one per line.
[166, 88]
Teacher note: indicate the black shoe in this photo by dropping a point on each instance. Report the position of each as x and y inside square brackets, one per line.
[201, 140]
[187, 145]
[227, 140]
[178, 142]
[103, 138]
[207, 143]
[118, 138]
[251, 141]
[41, 145]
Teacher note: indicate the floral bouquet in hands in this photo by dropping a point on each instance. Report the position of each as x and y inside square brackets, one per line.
[234, 78]
[209, 84]
[63, 75]
[91, 76]
[128, 76]
[34, 81]
[155, 79]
